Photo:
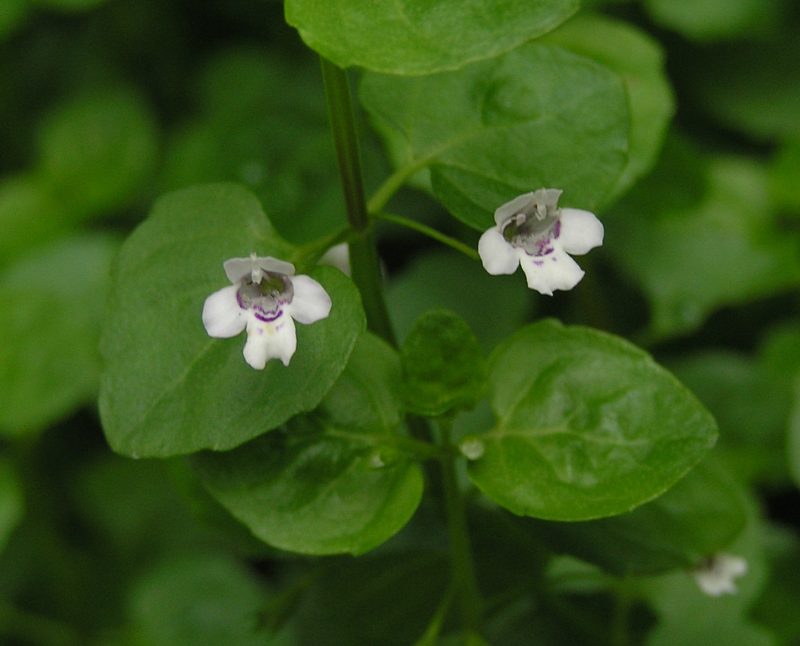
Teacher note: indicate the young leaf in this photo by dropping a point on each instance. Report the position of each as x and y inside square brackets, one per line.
[639, 61]
[588, 425]
[335, 483]
[414, 37]
[443, 365]
[168, 388]
[505, 126]
[700, 515]
[51, 306]
[444, 279]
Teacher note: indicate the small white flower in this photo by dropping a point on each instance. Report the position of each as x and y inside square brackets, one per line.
[533, 232]
[715, 575]
[264, 298]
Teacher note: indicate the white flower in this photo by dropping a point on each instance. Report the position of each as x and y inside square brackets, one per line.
[337, 256]
[716, 574]
[533, 232]
[264, 298]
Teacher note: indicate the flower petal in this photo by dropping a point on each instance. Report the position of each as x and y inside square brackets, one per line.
[497, 255]
[310, 302]
[512, 207]
[238, 268]
[546, 197]
[337, 256]
[580, 231]
[222, 316]
[265, 341]
[554, 271]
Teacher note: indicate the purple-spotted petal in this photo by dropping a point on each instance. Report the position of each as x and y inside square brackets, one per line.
[222, 316]
[265, 341]
[580, 231]
[497, 255]
[548, 273]
[310, 302]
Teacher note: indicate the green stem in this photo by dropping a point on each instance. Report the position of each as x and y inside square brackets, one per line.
[364, 263]
[464, 578]
[393, 183]
[430, 232]
[308, 255]
[418, 448]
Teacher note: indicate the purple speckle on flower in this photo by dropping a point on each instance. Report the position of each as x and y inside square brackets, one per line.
[557, 228]
[265, 316]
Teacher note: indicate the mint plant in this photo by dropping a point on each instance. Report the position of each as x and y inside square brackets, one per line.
[340, 414]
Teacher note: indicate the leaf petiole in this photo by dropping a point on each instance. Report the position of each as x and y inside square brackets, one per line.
[430, 232]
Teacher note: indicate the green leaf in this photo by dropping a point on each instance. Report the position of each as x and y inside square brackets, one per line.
[509, 125]
[11, 501]
[421, 37]
[197, 600]
[639, 61]
[444, 279]
[51, 305]
[699, 516]
[168, 388]
[443, 365]
[335, 483]
[98, 150]
[588, 425]
[728, 249]
[708, 20]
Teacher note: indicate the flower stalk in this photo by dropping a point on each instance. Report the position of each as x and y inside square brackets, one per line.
[364, 262]
[464, 579]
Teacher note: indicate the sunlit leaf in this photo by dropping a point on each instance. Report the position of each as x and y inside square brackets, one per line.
[170, 389]
[587, 425]
[336, 483]
[509, 125]
[417, 37]
[639, 61]
[443, 366]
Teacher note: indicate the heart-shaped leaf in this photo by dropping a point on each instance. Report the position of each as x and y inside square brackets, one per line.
[168, 388]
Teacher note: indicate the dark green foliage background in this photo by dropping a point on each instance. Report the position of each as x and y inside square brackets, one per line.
[107, 105]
